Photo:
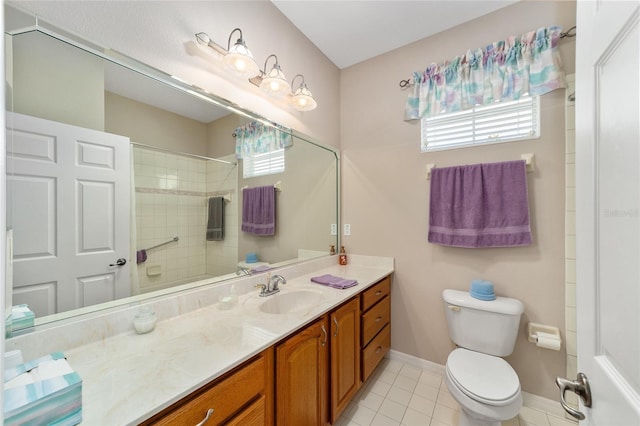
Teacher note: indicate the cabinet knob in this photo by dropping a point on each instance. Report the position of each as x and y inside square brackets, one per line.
[207, 417]
[378, 293]
[324, 331]
[378, 349]
[378, 319]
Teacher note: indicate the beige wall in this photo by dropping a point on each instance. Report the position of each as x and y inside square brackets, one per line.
[149, 125]
[385, 196]
[45, 86]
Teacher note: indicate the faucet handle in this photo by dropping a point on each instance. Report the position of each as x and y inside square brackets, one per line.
[263, 288]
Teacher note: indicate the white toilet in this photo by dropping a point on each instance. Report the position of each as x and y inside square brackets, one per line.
[485, 385]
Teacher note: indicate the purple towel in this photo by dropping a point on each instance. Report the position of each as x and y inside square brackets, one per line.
[259, 210]
[481, 205]
[333, 281]
[141, 256]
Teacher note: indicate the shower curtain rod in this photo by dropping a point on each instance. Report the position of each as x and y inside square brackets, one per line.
[182, 153]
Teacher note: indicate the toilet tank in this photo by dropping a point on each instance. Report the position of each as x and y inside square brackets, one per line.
[490, 327]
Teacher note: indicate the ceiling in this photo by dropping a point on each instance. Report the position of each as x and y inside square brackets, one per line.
[348, 32]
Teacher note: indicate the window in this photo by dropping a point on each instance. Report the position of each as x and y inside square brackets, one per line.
[263, 164]
[487, 124]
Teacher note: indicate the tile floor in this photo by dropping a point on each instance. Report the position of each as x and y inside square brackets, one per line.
[400, 394]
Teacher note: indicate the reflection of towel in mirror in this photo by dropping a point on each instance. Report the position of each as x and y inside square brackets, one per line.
[141, 256]
[259, 210]
[215, 222]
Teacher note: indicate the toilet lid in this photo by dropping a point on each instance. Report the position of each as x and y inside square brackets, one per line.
[485, 378]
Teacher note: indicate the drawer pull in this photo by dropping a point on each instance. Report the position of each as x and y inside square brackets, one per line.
[324, 330]
[206, 418]
[378, 293]
[378, 349]
[335, 321]
[379, 319]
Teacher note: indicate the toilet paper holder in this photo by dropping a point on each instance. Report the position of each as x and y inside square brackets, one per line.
[544, 336]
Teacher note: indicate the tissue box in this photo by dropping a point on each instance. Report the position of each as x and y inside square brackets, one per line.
[21, 319]
[43, 391]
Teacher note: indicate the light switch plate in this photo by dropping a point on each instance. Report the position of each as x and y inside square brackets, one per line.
[347, 229]
[334, 229]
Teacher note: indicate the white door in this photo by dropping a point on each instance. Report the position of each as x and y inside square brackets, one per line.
[608, 209]
[68, 190]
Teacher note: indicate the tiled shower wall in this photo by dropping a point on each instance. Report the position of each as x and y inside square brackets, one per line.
[171, 201]
[570, 236]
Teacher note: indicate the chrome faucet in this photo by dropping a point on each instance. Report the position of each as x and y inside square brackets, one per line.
[274, 281]
[271, 287]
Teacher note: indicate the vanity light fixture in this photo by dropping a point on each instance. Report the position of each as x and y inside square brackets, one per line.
[302, 99]
[240, 61]
[274, 82]
[237, 58]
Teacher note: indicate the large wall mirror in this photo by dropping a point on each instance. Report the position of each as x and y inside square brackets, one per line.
[112, 167]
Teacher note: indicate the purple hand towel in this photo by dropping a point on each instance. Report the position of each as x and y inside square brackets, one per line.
[333, 281]
[481, 205]
[141, 256]
[259, 210]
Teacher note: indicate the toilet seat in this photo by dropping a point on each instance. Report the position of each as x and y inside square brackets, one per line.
[484, 378]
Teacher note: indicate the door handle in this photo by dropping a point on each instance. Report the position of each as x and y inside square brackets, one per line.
[120, 262]
[580, 386]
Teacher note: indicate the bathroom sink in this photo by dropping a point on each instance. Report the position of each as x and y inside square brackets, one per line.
[294, 301]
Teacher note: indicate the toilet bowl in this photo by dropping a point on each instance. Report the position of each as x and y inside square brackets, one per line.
[485, 386]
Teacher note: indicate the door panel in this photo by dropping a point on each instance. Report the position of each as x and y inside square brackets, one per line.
[69, 211]
[608, 208]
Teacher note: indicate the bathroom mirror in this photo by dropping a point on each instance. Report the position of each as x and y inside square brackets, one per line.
[167, 148]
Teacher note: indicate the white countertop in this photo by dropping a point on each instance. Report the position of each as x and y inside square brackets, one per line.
[128, 378]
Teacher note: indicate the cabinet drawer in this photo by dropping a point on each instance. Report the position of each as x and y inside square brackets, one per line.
[253, 415]
[373, 353]
[371, 296]
[374, 319]
[227, 397]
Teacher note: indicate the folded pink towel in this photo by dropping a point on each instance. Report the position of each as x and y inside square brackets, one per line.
[333, 281]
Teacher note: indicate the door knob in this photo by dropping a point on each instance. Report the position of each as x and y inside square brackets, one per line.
[120, 262]
[580, 386]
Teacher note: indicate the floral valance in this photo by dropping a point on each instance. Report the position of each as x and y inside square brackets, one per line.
[504, 70]
[256, 138]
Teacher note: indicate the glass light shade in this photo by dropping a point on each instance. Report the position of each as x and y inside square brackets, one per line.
[302, 99]
[240, 60]
[275, 84]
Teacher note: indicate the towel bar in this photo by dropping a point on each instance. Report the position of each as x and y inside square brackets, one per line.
[163, 244]
[277, 186]
[529, 158]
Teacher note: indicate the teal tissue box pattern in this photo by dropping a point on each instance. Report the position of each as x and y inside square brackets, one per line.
[53, 401]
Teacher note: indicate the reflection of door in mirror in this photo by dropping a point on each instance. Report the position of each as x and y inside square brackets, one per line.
[71, 186]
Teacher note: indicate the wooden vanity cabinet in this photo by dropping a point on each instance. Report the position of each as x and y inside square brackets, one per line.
[302, 377]
[345, 355]
[243, 396]
[375, 305]
[307, 379]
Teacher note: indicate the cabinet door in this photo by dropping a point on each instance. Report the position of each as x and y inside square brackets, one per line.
[345, 356]
[301, 377]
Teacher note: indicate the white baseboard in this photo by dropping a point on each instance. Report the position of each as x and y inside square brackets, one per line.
[415, 361]
[530, 400]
